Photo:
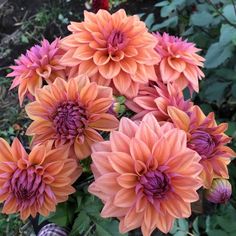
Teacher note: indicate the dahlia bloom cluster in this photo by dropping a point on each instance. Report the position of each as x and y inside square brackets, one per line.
[148, 171]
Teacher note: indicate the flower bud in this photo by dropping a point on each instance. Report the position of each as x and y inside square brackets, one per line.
[220, 191]
[52, 229]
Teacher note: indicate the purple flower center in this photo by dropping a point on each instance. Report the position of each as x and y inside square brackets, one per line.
[203, 143]
[155, 184]
[116, 41]
[70, 119]
[26, 185]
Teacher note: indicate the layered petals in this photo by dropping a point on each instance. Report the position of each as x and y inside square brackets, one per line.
[112, 47]
[71, 113]
[140, 180]
[40, 63]
[32, 184]
[180, 64]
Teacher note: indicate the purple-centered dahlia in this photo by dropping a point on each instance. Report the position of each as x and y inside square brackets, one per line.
[220, 191]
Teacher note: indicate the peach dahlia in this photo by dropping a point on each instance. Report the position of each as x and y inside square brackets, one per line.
[71, 113]
[36, 182]
[141, 180]
[115, 48]
[207, 139]
[39, 63]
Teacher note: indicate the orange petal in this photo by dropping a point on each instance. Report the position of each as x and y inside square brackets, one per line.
[139, 150]
[179, 118]
[82, 150]
[127, 180]
[127, 127]
[125, 198]
[37, 155]
[5, 153]
[106, 122]
[119, 142]
[121, 162]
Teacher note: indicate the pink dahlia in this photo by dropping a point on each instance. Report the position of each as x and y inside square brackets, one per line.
[112, 48]
[39, 63]
[179, 62]
[141, 180]
[36, 182]
[155, 98]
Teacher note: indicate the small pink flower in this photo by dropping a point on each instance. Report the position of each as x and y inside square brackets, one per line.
[179, 62]
[155, 98]
[39, 63]
[220, 191]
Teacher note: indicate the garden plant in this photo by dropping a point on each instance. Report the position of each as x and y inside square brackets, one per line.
[125, 122]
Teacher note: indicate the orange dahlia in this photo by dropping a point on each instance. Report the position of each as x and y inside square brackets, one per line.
[37, 182]
[145, 175]
[155, 98]
[40, 63]
[207, 139]
[115, 48]
[69, 113]
[179, 62]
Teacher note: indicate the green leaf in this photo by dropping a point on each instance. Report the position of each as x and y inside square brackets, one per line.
[180, 233]
[226, 73]
[229, 13]
[218, 54]
[149, 20]
[167, 10]
[81, 224]
[60, 216]
[171, 22]
[195, 226]
[227, 34]
[217, 232]
[202, 18]
[108, 228]
[174, 228]
[24, 39]
[216, 92]
[183, 224]
[162, 4]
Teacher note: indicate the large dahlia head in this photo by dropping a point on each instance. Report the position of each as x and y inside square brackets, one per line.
[180, 64]
[155, 98]
[40, 63]
[36, 182]
[207, 139]
[70, 113]
[141, 180]
[112, 48]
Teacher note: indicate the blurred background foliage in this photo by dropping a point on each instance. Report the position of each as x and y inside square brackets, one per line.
[210, 24]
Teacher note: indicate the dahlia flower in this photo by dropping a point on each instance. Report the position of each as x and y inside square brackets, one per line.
[207, 139]
[179, 62]
[69, 113]
[141, 180]
[37, 182]
[155, 98]
[115, 48]
[220, 191]
[39, 63]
